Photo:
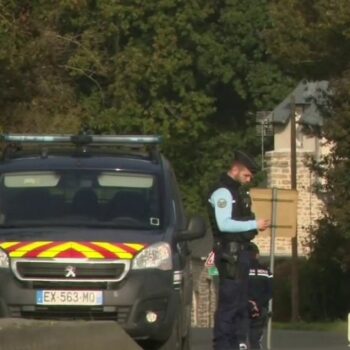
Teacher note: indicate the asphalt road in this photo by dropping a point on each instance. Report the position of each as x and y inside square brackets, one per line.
[283, 340]
[21, 334]
[18, 334]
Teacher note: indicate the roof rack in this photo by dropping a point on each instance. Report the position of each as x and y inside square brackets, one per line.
[15, 142]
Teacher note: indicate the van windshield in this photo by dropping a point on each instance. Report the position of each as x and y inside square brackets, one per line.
[80, 198]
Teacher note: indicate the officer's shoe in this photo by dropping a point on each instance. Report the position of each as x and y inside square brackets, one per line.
[243, 346]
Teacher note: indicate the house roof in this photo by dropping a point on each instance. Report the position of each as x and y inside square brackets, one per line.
[310, 96]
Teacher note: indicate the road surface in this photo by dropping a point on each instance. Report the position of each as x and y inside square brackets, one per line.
[284, 340]
[36, 335]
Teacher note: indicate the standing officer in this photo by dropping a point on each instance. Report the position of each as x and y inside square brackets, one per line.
[259, 294]
[234, 225]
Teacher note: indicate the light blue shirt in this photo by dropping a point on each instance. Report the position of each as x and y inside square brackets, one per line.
[222, 202]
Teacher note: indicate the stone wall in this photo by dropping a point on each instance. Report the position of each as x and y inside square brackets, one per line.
[204, 298]
[310, 207]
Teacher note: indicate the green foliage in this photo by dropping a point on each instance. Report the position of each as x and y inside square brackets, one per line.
[192, 70]
[320, 38]
[323, 281]
[282, 291]
[326, 268]
[312, 39]
[34, 94]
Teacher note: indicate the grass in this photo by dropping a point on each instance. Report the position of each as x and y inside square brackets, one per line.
[337, 326]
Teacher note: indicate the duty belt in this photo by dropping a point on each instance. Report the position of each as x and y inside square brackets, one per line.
[231, 246]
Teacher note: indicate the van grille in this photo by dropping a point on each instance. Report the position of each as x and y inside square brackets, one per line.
[70, 271]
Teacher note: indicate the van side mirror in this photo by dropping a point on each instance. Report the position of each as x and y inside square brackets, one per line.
[196, 229]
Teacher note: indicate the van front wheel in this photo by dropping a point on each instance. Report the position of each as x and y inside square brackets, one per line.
[174, 342]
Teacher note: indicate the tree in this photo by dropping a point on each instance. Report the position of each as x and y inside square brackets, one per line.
[322, 50]
[193, 71]
[34, 94]
[312, 39]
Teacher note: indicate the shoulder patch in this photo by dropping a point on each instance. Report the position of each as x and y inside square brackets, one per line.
[222, 203]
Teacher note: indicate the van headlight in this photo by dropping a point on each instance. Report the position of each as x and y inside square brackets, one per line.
[156, 256]
[4, 259]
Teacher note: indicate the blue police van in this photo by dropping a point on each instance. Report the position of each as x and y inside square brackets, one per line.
[93, 227]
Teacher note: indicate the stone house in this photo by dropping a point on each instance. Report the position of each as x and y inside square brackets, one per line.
[204, 286]
[306, 96]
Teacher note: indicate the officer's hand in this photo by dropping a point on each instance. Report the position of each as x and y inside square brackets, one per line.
[253, 308]
[263, 224]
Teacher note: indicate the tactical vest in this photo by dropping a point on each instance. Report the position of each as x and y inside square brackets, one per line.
[241, 211]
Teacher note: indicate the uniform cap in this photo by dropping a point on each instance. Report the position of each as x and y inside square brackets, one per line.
[247, 161]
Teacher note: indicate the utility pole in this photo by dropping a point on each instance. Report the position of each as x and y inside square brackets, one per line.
[294, 241]
[272, 261]
[264, 128]
[262, 144]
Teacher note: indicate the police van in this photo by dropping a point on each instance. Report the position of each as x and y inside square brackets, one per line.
[92, 227]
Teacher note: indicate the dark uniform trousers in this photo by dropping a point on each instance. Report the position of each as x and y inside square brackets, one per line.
[231, 317]
[260, 291]
[256, 329]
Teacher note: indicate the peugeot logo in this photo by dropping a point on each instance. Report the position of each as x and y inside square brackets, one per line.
[70, 271]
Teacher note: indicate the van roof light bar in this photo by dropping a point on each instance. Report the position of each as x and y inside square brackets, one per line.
[84, 139]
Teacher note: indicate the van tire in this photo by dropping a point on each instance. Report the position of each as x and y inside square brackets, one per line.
[186, 341]
[174, 342]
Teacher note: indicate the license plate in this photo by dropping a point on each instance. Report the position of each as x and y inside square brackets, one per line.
[68, 297]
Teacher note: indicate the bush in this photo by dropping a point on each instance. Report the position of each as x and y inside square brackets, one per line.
[323, 287]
